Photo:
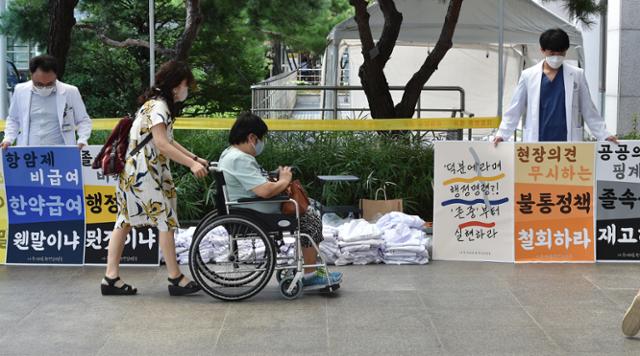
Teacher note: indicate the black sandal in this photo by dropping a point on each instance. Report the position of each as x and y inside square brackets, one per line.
[175, 289]
[110, 287]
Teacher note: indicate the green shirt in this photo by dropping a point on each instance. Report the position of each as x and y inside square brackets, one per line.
[242, 173]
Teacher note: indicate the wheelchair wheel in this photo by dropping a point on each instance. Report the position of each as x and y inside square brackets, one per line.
[223, 279]
[209, 274]
[283, 273]
[295, 292]
[231, 257]
[206, 220]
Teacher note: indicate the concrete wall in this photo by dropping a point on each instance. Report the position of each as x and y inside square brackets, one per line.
[623, 64]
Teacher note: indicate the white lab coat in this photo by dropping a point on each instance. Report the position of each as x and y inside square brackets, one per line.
[526, 99]
[72, 115]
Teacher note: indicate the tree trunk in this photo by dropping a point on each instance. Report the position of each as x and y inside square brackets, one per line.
[192, 24]
[276, 49]
[413, 89]
[377, 55]
[371, 73]
[61, 22]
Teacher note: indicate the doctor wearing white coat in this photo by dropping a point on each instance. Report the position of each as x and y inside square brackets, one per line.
[553, 95]
[46, 112]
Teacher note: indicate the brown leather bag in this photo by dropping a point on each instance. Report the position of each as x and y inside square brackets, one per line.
[296, 192]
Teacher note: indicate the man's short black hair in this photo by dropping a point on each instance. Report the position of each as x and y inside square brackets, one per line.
[246, 124]
[44, 62]
[555, 40]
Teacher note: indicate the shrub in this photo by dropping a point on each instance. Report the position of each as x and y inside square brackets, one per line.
[405, 163]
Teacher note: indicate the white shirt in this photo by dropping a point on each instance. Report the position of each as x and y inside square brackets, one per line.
[44, 128]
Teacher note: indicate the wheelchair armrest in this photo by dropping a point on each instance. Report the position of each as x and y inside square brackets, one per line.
[277, 198]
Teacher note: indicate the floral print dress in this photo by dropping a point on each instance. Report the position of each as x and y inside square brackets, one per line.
[146, 195]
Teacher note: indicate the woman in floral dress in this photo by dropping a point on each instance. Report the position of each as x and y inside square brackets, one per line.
[146, 195]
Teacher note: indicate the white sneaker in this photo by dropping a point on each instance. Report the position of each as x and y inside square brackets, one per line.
[631, 321]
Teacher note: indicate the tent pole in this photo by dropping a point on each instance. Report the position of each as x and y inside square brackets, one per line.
[152, 43]
[336, 78]
[500, 56]
[602, 87]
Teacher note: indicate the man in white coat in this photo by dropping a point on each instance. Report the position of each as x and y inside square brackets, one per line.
[45, 111]
[553, 95]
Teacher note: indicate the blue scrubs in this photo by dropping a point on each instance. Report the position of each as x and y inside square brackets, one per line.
[553, 114]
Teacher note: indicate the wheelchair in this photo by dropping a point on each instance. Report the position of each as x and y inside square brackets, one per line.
[235, 250]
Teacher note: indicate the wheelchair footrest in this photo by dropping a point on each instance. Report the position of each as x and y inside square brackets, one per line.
[323, 288]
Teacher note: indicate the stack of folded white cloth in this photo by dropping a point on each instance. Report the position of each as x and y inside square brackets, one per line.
[213, 247]
[405, 241]
[183, 242]
[359, 243]
[329, 246]
[286, 251]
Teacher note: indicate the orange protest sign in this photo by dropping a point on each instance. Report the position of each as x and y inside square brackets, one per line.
[554, 202]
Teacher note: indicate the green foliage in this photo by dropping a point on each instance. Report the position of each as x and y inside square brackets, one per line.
[26, 20]
[583, 10]
[228, 55]
[228, 58]
[303, 25]
[110, 82]
[376, 159]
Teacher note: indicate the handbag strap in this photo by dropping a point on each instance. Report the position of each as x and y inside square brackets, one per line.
[140, 145]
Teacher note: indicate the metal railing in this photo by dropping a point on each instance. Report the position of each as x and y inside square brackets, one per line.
[264, 108]
[285, 101]
[310, 76]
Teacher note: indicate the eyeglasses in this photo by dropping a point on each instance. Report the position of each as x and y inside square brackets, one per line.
[44, 85]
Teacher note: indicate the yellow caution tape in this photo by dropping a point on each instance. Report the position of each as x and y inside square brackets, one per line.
[203, 123]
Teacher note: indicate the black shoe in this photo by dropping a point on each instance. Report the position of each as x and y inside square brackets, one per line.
[176, 290]
[108, 287]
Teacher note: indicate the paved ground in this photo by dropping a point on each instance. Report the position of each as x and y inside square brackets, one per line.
[442, 308]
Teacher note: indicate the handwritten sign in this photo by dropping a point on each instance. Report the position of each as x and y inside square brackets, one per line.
[473, 201]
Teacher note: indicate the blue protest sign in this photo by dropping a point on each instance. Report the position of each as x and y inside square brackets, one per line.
[45, 204]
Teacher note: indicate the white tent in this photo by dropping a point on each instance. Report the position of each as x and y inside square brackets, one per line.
[476, 37]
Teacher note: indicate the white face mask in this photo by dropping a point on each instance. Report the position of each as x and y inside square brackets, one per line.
[43, 91]
[554, 61]
[181, 95]
[259, 147]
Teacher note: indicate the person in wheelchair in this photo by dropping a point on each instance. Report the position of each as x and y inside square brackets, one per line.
[246, 179]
